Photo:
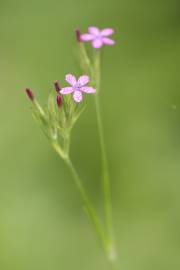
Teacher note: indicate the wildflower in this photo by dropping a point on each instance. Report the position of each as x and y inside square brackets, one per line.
[77, 87]
[59, 100]
[30, 94]
[98, 37]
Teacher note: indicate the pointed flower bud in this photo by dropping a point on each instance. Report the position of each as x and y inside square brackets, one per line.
[57, 86]
[59, 100]
[30, 94]
[78, 34]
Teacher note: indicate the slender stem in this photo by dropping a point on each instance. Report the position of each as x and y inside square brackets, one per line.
[58, 149]
[91, 212]
[89, 209]
[105, 175]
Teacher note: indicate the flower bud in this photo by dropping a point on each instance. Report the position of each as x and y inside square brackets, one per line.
[59, 100]
[78, 34]
[57, 86]
[30, 94]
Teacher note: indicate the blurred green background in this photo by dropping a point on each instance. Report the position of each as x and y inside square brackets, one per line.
[42, 225]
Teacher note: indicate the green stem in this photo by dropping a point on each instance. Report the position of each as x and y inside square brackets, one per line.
[105, 175]
[58, 149]
[88, 205]
[89, 209]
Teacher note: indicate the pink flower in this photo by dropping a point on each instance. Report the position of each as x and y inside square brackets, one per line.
[98, 37]
[77, 87]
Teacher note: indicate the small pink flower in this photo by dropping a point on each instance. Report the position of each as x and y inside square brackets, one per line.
[98, 37]
[77, 87]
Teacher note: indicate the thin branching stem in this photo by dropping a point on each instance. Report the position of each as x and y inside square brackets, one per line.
[87, 204]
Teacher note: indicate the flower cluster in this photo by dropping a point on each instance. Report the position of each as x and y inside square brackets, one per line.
[67, 103]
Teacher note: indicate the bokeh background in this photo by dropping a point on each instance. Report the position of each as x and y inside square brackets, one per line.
[42, 225]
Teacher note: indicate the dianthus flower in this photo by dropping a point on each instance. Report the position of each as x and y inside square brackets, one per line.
[98, 37]
[77, 87]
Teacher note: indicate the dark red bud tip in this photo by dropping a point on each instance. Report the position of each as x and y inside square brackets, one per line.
[59, 101]
[30, 94]
[78, 34]
[57, 86]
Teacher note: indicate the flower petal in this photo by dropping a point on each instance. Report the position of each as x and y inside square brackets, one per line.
[108, 41]
[94, 30]
[88, 89]
[107, 32]
[86, 37]
[77, 96]
[97, 43]
[83, 80]
[71, 79]
[66, 90]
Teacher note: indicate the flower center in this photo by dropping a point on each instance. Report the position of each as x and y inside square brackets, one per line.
[77, 87]
[98, 36]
